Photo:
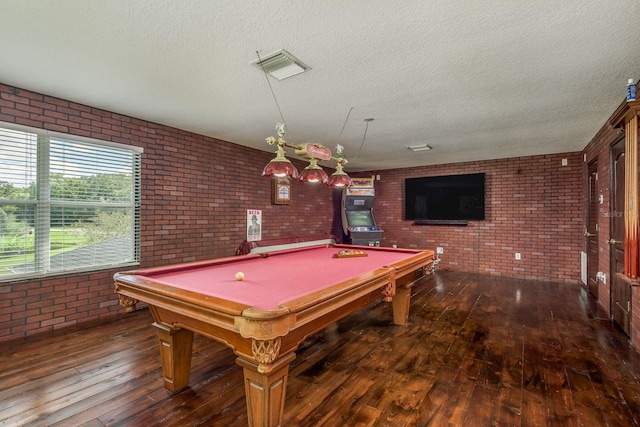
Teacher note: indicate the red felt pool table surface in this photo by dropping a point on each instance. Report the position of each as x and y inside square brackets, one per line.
[285, 297]
[273, 280]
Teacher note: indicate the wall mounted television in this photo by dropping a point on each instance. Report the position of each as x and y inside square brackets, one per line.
[442, 198]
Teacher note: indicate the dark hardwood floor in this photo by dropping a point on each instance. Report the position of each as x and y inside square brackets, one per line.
[478, 350]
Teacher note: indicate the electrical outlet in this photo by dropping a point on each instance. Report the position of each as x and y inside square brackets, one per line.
[518, 255]
[440, 250]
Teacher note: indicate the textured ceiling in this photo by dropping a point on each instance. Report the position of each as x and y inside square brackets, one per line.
[474, 79]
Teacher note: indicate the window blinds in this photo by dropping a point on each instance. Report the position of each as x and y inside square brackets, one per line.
[66, 204]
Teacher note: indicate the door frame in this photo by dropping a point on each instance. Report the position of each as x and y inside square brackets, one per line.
[592, 233]
[620, 316]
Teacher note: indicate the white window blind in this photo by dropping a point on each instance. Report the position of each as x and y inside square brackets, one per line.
[66, 204]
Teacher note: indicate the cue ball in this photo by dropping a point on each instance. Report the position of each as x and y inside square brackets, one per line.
[239, 275]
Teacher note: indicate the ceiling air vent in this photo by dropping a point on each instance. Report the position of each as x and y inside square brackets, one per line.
[421, 147]
[281, 64]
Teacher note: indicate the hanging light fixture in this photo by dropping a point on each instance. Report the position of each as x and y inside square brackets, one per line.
[314, 173]
[339, 178]
[280, 166]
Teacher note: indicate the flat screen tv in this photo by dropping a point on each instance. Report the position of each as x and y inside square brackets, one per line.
[452, 197]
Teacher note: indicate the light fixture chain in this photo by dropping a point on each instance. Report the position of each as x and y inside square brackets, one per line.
[363, 138]
[343, 125]
[271, 88]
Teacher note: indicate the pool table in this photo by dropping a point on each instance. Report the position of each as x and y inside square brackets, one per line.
[284, 297]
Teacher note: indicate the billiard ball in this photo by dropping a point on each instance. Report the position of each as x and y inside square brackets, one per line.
[239, 275]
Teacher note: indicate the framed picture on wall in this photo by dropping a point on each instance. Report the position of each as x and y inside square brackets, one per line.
[254, 228]
[281, 191]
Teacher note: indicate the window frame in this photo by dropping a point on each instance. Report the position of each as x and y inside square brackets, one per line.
[42, 203]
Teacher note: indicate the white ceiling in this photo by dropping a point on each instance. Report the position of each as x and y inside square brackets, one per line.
[475, 79]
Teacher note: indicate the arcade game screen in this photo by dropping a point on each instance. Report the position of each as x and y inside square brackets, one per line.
[360, 219]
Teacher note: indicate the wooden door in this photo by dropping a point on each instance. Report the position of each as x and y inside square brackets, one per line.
[620, 289]
[591, 233]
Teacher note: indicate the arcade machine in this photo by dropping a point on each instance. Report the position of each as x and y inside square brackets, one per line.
[358, 221]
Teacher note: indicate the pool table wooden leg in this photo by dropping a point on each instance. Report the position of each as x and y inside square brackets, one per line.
[265, 387]
[400, 303]
[175, 351]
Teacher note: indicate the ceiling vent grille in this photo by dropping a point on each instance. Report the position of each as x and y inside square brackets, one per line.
[421, 147]
[281, 64]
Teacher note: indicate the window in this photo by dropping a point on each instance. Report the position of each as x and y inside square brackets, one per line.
[66, 204]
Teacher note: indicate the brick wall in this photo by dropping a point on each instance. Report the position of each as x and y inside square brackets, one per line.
[534, 206]
[195, 193]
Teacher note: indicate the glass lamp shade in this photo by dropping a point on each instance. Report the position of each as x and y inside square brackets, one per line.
[280, 167]
[314, 173]
[339, 179]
